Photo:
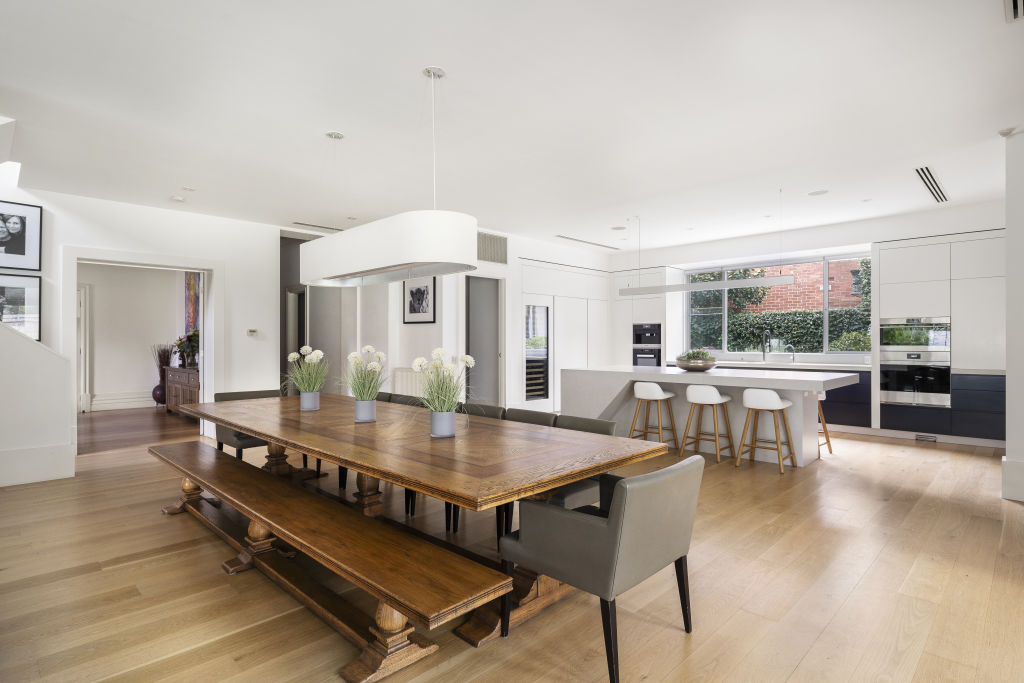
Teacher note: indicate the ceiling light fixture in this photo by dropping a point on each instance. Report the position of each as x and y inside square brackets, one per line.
[177, 198]
[419, 243]
[334, 135]
[771, 281]
[817, 193]
[188, 189]
[619, 227]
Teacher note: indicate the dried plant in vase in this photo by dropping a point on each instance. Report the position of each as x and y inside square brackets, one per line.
[162, 355]
[443, 382]
[307, 372]
[365, 378]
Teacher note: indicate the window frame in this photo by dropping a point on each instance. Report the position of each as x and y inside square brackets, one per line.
[764, 264]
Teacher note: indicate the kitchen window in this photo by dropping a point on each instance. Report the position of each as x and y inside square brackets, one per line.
[827, 308]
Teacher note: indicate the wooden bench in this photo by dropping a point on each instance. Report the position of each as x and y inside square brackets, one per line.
[412, 578]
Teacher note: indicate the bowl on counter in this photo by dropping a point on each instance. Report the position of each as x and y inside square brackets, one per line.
[695, 365]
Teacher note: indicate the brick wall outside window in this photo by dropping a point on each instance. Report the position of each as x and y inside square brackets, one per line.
[805, 293]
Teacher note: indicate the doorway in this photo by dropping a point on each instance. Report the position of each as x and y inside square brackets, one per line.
[483, 340]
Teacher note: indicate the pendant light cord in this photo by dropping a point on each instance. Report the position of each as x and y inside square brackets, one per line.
[433, 136]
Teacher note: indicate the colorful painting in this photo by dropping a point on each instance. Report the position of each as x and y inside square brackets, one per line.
[191, 301]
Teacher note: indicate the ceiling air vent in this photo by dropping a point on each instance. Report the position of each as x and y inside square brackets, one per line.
[493, 248]
[593, 244]
[925, 174]
[1014, 10]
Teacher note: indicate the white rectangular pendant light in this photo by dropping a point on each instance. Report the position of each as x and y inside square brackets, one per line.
[772, 281]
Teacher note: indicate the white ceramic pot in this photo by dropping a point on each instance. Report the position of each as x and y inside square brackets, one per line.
[442, 425]
[309, 400]
[366, 411]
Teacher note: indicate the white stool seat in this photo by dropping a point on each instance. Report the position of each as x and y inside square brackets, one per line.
[821, 395]
[649, 391]
[705, 395]
[764, 399]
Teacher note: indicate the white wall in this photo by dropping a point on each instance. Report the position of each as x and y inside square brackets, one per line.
[241, 257]
[130, 309]
[1013, 462]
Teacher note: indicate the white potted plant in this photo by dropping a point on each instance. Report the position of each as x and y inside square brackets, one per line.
[364, 379]
[443, 382]
[307, 372]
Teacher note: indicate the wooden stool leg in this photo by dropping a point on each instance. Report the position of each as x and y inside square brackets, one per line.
[824, 428]
[647, 419]
[394, 646]
[743, 438]
[686, 432]
[728, 430]
[718, 448]
[700, 429]
[661, 437]
[789, 438]
[753, 436]
[636, 414]
[672, 423]
[778, 440]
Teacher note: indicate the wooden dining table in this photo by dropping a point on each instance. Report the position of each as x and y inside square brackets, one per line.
[487, 464]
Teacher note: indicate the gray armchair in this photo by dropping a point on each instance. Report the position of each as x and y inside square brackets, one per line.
[585, 492]
[238, 440]
[533, 417]
[644, 524]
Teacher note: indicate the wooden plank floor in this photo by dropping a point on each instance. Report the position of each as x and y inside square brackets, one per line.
[888, 560]
[106, 430]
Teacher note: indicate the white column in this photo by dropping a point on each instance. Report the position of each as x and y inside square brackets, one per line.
[1013, 461]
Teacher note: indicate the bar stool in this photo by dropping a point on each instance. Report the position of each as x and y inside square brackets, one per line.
[645, 393]
[700, 395]
[824, 426]
[757, 401]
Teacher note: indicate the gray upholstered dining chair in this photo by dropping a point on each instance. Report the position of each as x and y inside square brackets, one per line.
[451, 511]
[383, 397]
[238, 440]
[584, 492]
[644, 524]
[533, 417]
[406, 400]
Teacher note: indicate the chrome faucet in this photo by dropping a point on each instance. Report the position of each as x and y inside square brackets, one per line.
[792, 358]
[765, 340]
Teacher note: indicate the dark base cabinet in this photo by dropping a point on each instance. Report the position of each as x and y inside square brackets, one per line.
[850, 405]
[979, 406]
[923, 419]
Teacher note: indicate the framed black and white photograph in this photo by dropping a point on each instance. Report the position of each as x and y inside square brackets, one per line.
[19, 303]
[419, 300]
[21, 227]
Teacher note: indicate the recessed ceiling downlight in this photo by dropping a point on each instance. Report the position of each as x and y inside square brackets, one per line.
[177, 198]
[618, 227]
[334, 135]
[817, 193]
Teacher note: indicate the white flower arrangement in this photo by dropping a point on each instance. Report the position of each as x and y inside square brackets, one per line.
[307, 369]
[443, 380]
[365, 375]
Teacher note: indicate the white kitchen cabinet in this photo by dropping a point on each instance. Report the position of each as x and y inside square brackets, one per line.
[978, 323]
[598, 328]
[914, 299]
[569, 345]
[978, 258]
[645, 278]
[648, 310]
[913, 264]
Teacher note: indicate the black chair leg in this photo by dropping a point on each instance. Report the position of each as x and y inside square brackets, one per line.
[318, 463]
[455, 519]
[342, 477]
[220, 445]
[683, 579]
[447, 516]
[305, 461]
[410, 502]
[238, 453]
[499, 522]
[506, 599]
[611, 639]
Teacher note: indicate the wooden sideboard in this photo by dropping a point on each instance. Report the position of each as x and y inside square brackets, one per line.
[182, 387]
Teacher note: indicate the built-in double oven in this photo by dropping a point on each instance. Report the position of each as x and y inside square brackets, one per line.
[914, 361]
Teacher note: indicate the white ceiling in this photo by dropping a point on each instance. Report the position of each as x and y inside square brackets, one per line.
[561, 117]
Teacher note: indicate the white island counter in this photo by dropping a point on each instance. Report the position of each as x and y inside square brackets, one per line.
[607, 393]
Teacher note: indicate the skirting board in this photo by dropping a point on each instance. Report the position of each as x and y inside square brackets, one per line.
[133, 399]
[1013, 479]
[39, 463]
[896, 434]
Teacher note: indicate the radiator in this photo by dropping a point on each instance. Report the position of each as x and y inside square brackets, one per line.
[405, 381]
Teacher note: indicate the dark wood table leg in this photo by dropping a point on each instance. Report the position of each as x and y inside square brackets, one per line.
[259, 541]
[395, 645]
[190, 493]
[277, 463]
[368, 495]
[531, 594]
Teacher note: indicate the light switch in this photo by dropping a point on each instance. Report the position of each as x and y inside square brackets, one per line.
[251, 331]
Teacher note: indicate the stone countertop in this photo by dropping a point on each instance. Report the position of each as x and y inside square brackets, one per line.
[746, 377]
[782, 365]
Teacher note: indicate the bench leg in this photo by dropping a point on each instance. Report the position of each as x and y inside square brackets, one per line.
[368, 495]
[395, 645]
[277, 461]
[260, 541]
[190, 493]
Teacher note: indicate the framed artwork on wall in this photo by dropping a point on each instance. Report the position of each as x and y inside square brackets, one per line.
[19, 303]
[21, 227]
[418, 300]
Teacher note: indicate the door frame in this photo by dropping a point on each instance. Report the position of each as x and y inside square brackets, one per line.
[502, 327]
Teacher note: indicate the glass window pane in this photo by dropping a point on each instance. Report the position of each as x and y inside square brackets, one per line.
[849, 305]
[706, 313]
[791, 314]
[536, 347]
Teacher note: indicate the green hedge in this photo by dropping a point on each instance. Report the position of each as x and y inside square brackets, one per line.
[803, 329]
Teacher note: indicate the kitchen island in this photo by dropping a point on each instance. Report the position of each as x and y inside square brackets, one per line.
[607, 393]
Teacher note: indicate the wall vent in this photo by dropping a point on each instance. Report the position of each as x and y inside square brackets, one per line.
[593, 244]
[925, 174]
[318, 227]
[1014, 10]
[493, 248]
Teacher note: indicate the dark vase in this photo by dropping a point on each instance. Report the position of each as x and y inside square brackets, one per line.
[160, 394]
